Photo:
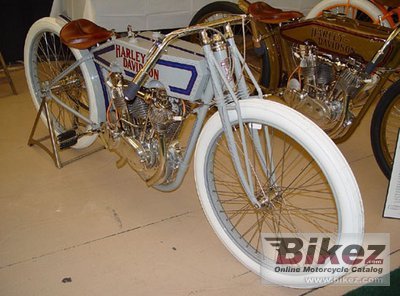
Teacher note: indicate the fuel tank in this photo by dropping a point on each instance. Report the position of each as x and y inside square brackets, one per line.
[342, 36]
[182, 69]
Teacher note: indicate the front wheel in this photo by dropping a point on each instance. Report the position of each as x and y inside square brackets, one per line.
[385, 126]
[302, 180]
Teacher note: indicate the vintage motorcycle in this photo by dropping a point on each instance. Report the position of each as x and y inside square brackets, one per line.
[331, 68]
[260, 167]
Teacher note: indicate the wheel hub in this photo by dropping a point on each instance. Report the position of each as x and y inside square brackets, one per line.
[270, 198]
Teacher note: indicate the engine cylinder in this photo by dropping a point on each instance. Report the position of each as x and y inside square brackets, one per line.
[325, 74]
[138, 109]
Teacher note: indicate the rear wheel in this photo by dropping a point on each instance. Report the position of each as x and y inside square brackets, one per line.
[362, 10]
[45, 57]
[256, 62]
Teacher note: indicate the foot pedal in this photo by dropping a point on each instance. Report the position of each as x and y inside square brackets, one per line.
[62, 141]
[67, 139]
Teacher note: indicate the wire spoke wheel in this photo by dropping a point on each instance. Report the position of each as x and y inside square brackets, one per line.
[295, 172]
[385, 125]
[351, 12]
[390, 130]
[47, 69]
[51, 58]
[293, 190]
[362, 10]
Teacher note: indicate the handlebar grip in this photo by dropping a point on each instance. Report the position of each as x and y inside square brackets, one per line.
[131, 91]
[370, 67]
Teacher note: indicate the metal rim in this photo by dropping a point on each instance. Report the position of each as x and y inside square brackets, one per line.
[50, 57]
[295, 205]
[389, 131]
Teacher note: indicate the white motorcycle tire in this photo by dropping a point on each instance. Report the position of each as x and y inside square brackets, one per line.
[363, 6]
[229, 211]
[44, 58]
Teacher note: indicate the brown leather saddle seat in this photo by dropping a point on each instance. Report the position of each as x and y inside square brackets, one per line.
[264, 13]
[82, 34]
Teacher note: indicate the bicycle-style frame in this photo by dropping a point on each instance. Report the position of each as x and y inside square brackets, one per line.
[217, 89]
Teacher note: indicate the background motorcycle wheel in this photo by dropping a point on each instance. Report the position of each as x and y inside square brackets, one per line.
[256, 62]
[357, 9]
[314, 189]
[44, 58]
[385, 126]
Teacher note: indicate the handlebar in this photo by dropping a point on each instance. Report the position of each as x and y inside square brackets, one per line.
[381, 52]
[158, 48]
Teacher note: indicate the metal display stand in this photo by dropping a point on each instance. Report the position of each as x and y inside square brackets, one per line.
[7, 77]
[55, 148]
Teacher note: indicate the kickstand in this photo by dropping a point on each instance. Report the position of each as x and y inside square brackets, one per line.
[55, 150]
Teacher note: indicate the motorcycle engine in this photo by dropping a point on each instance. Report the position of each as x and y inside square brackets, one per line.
[323, 85]
[330, 54]
[144, 131]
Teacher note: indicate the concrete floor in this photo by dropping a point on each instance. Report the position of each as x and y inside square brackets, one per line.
[91, 229]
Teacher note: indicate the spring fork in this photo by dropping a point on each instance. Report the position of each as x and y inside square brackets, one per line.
[239, 72]
[217, 75]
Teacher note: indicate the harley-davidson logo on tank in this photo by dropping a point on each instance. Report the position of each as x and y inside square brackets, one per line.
[134, 60]
[339, 35]
[334, 40]
[182, 69]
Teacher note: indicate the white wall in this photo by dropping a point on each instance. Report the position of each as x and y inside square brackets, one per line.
[148, 14]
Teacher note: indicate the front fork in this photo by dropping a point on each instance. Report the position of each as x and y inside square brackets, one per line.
[225, 87]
